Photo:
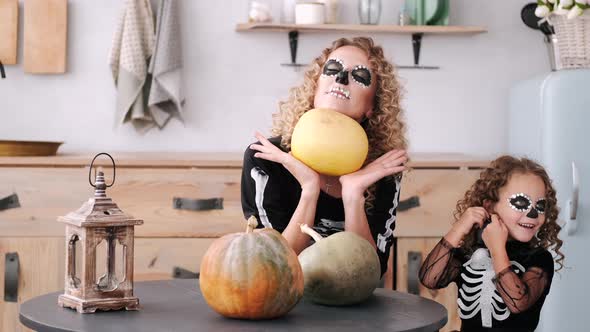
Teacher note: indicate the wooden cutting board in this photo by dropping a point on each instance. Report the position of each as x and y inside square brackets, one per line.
[8, 31]
[46, 24]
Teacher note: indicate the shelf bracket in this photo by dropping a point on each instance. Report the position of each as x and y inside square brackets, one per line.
[2, 73]
[416, 45]
[293, 41]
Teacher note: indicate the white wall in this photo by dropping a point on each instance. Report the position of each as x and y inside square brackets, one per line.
[233, 80]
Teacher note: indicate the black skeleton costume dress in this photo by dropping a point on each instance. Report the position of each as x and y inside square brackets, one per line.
[487, 301]
[271, 194]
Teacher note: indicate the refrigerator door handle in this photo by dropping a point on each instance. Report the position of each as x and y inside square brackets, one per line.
[572, 203]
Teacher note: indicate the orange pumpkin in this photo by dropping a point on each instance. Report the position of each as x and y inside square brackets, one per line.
[251, 275]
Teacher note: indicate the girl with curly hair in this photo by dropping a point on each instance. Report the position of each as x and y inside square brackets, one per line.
[497, 249]
[352, 77]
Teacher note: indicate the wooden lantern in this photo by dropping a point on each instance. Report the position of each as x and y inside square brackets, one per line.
[98, 220]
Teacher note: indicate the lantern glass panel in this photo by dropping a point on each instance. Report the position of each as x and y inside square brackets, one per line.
[103, 281]
[75, 260]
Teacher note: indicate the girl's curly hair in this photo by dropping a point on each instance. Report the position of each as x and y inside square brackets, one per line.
[385, 128]
[486, 188]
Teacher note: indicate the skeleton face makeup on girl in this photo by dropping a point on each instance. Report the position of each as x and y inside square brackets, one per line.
[347, 83]
[521, 205]
[521, 202]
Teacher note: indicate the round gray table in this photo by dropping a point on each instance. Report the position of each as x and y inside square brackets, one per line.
[177, 305]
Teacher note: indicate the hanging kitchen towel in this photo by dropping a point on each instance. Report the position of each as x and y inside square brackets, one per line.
[132, 48]
[166, 96]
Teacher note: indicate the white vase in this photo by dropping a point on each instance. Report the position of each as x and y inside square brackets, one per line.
[310, 13]
[288, 11]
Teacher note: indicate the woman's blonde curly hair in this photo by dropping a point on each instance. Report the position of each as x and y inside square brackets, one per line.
[385, 128]
[488, 185]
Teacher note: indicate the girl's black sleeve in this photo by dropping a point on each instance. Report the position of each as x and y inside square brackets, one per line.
[521, 292]
[442, 265]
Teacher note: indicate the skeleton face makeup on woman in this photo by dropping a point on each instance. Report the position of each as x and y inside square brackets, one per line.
[347, 83]
[522, 205]
[360, 74]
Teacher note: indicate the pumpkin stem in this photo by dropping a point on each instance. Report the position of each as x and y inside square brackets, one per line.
[309, 231]
[252, 223]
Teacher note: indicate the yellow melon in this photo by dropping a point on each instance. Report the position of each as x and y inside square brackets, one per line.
[329, 142]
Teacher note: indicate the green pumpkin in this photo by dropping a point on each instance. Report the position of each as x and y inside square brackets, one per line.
[341, 269]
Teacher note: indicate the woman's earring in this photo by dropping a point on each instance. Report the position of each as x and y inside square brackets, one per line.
[364, 122]
[365, 119]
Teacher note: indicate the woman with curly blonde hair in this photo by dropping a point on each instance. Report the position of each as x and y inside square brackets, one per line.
[497, 249]
[354, 78]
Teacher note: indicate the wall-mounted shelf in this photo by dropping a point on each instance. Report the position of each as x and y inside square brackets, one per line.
[416, 31]
[398, 29]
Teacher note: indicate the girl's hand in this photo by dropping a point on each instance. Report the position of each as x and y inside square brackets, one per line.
[307, 178]
[355, 184]
[472, 217]
[495, 234]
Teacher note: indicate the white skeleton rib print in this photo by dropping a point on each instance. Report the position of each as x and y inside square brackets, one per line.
[479, 294]
[382, 238]
[261, 179]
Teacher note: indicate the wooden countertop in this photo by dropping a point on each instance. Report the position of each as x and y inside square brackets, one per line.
[212, 160]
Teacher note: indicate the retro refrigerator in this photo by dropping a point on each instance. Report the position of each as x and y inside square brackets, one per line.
[549, 121]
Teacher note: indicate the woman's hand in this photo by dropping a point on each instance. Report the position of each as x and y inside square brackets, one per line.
[307, 178]
[495, 235]
[355, 184]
